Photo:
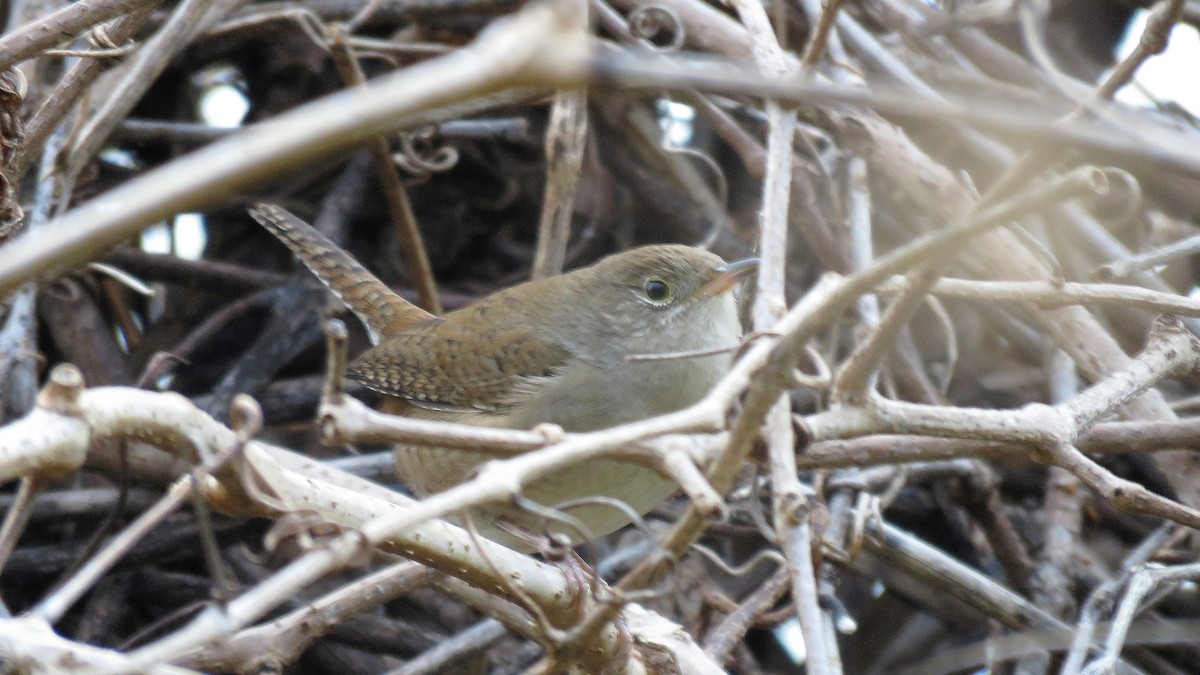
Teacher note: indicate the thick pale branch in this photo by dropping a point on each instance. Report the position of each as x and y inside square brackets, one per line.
[30, 640]
[170, 422]
[1050, 293]
[52, 438]
[296, 483]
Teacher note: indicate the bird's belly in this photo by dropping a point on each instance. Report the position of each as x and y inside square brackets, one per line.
[431, 470]
[583, 398]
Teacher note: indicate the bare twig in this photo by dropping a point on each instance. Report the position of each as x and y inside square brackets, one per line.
[566, 137]
[1124, 268]
[33, 38]
[399, 206]
[1047, 293]
[279, 642]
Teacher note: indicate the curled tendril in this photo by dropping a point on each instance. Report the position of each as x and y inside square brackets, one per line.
[1123, 202]
[306, 529]
[944, 371]
[721, 207]
[100, 46]
[746, 567]
[246, 417]
[560, 514]
[421, 156]
[754, 506]
[867, 508]
[100, 40]
[650, 21]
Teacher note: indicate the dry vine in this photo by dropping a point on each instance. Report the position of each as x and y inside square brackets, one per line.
[957, 436]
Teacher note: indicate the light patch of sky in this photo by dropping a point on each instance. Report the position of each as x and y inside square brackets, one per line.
[223, 106]
[792, 639]
[1170, 76]
[156, 239]
[676, 120]
[184, 237]
[190, 236]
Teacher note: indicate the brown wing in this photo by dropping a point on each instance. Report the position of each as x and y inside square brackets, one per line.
[442, 364]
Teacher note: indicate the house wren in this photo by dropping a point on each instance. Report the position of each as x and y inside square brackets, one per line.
[555, 351]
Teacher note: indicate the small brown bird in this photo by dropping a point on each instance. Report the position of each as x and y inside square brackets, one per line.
[554, 351]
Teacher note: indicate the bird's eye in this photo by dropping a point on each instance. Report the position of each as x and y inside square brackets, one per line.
[658, 291]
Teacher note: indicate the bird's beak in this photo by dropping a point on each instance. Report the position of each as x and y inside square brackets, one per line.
[727, 276]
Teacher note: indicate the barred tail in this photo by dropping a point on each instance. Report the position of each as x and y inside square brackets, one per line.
[380, 309]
